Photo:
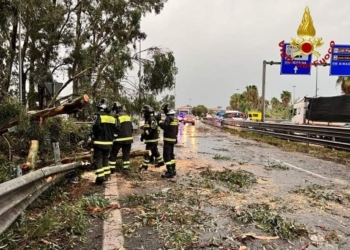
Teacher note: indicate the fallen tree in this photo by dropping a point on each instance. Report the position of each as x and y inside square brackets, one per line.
[69, 108]
[88, 156]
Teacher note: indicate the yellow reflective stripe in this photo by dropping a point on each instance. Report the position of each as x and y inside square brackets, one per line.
[100, 170]
[112, 162]
[103, 142]
[123, 139]
[169, 139]
[126, 162]
[168, 163]
[161, 121]
[112, 167]
[101, 175]
[173, 161]
[174, 123]
[147, 132]
[153, 140]
[115, 135]
[159, 158]
[124, 118]
[107, 119]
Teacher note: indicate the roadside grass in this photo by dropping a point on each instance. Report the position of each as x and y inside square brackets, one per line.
[319, 152]
[58, 219]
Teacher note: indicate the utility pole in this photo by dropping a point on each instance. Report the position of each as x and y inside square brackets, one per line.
[316, 80]
[140, 78]
[20, 55]
[239, 97]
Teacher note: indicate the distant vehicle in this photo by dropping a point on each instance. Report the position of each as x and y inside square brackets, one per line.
[189, 119]
[220, 114]
[181, 114]
[254, 116]
[234, 115]
[322, 111]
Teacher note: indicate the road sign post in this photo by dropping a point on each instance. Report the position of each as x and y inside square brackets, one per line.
[263, 87]
[299, 65]
[340, 60]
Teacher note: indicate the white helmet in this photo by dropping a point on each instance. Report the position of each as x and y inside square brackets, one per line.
[171, 112]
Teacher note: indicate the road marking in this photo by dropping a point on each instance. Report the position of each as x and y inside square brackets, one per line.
[301, 169]
[112, 227]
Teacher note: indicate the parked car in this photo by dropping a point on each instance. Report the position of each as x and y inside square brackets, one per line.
[189, 119]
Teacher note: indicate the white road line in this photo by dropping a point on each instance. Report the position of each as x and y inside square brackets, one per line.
[112, 227]
[301, 169]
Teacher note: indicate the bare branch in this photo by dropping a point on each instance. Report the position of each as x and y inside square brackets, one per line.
[66, 84]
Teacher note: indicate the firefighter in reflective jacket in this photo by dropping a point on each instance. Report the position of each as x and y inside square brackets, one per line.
[150, 136]
[170, 128]
[122, 138]
[102, 133]
[158, 117]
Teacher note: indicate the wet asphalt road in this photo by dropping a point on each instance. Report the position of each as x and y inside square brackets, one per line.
[198, 146]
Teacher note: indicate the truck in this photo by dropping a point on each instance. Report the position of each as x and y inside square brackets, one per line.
[322, 111]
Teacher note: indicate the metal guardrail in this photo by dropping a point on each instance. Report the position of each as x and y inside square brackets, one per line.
[17, 194]
[301, 133]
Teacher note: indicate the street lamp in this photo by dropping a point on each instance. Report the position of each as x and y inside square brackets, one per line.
[239, 97]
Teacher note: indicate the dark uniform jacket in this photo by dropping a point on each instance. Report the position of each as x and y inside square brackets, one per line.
[170, 127]
[103, 129]
[150, 130]
[123, 129]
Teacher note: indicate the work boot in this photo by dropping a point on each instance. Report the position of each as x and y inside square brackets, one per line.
[169, 173]
[159, 164]
[152, 160]
[107, 177]
[174, 168]
[99, 180]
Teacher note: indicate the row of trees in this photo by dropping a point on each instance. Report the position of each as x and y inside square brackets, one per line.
[250, 100]
[90, 42]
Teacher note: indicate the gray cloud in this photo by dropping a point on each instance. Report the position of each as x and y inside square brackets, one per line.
[220, 45]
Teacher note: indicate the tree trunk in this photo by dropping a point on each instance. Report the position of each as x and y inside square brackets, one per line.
[32, 156]
[69, 108]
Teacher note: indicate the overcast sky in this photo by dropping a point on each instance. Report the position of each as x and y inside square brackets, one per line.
[219, 45]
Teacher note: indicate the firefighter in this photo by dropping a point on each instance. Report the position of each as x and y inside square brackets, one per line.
[158, 117]
[170, 128]
[102, 133]
[150, 136]
[122, 138]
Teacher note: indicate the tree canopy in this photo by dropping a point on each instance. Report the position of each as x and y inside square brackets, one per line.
[91, 43]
